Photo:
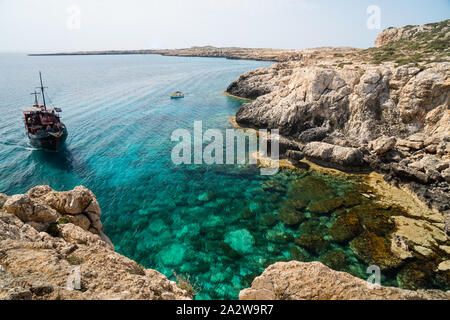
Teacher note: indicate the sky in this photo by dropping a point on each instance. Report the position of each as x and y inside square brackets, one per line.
[79, 25]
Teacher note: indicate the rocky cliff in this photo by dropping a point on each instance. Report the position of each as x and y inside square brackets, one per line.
[384, 108]
[314, 281]
[52, 246]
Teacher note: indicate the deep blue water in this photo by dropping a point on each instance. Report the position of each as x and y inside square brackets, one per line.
[171, 218]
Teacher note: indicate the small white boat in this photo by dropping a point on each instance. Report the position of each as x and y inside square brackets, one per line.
[177, 95]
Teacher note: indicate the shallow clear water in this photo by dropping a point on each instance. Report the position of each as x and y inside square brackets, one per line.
[217, 224]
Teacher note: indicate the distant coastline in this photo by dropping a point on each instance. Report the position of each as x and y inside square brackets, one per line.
[233, 53]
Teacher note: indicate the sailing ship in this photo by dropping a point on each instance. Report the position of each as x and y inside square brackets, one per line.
[43, 125]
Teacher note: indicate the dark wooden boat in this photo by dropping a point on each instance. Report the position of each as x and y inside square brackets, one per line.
[43, 125]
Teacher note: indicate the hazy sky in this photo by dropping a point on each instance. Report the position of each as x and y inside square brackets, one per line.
[75, 25]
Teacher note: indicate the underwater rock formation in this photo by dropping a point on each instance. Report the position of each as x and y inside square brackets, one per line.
[314, 281]
[46, 236]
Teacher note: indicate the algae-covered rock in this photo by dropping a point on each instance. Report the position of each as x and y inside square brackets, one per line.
[443, 278]
[298, 254]
[351, 199]
[310, 188]
[312, 242]
[335, 259]
[374, 218]
[247, 214]
[325, 206]
[206, 196]
[280, 237]
[310, 226]
[229, 251]
[269, 220]
[298, 204]
[345, 228]
[291, 216]
[415, 275]
[375, 250]
[273, 186]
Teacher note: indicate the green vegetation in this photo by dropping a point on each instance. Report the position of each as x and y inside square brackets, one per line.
[186, 283]
[342, 64]
[63, 220]
[420, 48]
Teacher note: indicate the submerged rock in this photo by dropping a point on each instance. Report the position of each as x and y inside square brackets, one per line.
[374, 218]
[240, 240]
[375, 250]
[290, 216]
[308, 189]
[298, 254]
[280, 237]
[269, 220]
[415, 275]
[345, 228]
[312, 242]
[336, 260]
[325, 206]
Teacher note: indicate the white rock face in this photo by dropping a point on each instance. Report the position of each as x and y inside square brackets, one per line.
[362, 102]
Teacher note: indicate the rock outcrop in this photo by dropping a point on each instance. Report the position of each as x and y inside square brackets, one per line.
[314, 281]
[395, 34]
[52, 246]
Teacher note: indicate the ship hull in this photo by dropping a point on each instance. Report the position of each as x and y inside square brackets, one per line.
[48, 141]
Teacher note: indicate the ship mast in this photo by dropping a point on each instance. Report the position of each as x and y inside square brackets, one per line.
[36, 104]
[42, 90]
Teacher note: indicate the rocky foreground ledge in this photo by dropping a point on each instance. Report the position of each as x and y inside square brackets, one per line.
[314, 281]
[45, 235]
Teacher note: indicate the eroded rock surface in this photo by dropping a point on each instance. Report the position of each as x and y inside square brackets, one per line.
[47, 238]
[314, 281]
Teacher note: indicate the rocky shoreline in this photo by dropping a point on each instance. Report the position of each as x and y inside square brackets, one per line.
[392, 117]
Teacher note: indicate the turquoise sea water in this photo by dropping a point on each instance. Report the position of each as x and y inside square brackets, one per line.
[216, 224]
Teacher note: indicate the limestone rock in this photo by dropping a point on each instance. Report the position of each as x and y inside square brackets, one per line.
[444, 266]
[28, 210]
[339, 156]
[382, 145]
[419, 232]
[314, 281]
[37, 266]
